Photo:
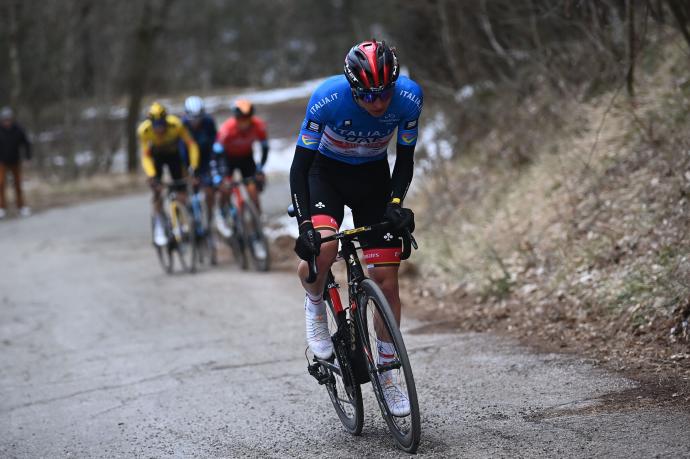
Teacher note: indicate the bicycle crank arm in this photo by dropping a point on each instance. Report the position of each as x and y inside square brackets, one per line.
[321, 377]
[334, 368]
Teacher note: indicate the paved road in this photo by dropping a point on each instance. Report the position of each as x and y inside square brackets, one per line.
[101, 355]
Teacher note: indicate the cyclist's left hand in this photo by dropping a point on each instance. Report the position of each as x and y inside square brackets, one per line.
[260, 179]
[399, 217]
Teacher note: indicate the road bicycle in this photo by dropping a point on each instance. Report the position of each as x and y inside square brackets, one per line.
[177, 231]
[242, 228]
[203, 236]
[354, 327]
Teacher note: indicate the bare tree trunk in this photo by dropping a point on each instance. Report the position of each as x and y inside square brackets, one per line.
[13, 45]
[446, 40]
[149, 28]
[485, 22]
[70, 169]
[630, 77]
[681, 18]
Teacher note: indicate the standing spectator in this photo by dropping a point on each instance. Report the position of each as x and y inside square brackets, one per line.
[12, 140]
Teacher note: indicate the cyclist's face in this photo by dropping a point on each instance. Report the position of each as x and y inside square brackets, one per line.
[375, 108]
[159, 128]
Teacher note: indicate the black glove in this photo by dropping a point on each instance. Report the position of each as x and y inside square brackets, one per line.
[154, 184]
[308, 243]
[399, 217]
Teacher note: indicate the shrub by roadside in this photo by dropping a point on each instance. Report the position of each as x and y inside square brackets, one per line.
[578, 242]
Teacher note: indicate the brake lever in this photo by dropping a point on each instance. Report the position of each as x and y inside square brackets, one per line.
[413, 241]
[313, 270]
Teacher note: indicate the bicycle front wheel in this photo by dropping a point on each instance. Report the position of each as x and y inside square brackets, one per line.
[183, 234]
[165, 257]
[255, 240]
[345, 393]
[163, 250]
[389, 366]
[235, 237]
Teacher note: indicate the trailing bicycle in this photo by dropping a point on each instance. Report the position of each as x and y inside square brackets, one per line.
[241, 227]
[174, 233]
[203, 236]
[354, 328]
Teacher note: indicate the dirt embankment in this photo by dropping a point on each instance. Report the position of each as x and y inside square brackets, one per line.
[581, 245]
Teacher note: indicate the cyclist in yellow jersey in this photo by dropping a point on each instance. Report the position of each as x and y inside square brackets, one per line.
[159, 137]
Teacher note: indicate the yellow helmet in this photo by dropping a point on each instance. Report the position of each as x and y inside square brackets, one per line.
[157, 112]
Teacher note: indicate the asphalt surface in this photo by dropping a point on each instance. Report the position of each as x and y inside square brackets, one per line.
[103, 355]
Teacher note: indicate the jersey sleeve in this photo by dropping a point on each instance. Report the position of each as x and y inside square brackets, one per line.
[145, 147]
[222, 135]
[261, 131]
[409, 122]
[192, 147]
[314, 121]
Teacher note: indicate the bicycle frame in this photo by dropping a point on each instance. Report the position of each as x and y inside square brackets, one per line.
[355, 275]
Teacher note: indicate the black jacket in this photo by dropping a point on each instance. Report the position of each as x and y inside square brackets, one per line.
[13, 140]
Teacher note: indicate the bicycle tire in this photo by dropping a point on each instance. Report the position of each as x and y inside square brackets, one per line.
[183, 232]
[370, 300]
[211, 248]
[254, 237]
[164, 252]
[165, 257]
[236, 240]
[352, 420]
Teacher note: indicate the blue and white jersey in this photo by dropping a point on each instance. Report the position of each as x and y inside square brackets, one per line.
[339, 128]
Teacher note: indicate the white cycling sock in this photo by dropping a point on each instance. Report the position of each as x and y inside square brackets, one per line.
[386, 351]
[314, 305]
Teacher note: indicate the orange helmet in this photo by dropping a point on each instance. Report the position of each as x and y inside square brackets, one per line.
[242, 108]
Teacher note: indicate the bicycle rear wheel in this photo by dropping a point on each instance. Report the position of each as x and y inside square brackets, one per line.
[345, 393]
[255, 240]
[375, 313]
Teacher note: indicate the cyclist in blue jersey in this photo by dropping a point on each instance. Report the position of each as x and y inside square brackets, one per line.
[341, 159]
[203, 128]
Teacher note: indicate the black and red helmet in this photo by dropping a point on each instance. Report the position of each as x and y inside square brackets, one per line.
[371, 66]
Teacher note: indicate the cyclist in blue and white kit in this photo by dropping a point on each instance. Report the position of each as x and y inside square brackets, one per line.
[203, 129]
[341, 159]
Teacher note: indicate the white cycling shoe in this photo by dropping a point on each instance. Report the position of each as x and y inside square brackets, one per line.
[395, 397]
[318, 336]
[159, 237]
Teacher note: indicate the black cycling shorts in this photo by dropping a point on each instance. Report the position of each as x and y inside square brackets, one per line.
[174, 163]
[364, 188]
[246, 165]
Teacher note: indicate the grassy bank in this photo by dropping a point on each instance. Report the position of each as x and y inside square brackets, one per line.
[567, 224]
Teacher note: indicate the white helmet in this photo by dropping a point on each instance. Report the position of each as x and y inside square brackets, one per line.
[6, 113]
[194, 107]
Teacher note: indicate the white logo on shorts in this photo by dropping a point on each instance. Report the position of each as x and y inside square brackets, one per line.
[388, 236]
[320, 205]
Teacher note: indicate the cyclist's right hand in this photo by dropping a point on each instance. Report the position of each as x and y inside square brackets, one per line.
[308, 244]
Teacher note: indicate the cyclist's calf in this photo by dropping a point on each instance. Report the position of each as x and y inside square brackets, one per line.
[386, 277]
[326, 258]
